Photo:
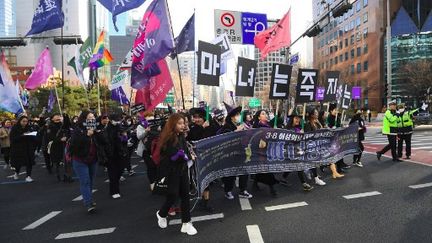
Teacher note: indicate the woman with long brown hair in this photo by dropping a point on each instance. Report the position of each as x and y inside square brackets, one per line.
[175, 160]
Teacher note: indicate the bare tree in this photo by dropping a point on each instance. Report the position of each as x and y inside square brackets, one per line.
[418, 77]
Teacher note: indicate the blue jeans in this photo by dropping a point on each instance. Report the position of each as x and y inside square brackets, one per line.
[85, 173]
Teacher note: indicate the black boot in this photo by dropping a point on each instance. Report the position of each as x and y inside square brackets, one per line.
[273, 191]
[204, 206]
[255, 186]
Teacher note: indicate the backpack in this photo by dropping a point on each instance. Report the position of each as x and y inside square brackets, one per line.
[155, 151]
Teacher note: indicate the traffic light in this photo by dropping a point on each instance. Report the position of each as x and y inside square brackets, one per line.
[313, 31]
[344, 7]
[13, 42]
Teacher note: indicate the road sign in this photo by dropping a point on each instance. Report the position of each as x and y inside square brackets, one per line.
[228, 22]
[294, 59]
[252, 24]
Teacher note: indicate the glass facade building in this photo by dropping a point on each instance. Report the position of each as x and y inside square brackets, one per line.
[7, 18]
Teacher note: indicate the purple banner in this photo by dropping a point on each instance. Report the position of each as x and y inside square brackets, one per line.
[320, 91]
[356, 93]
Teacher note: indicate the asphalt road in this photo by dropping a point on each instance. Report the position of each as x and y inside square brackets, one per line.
[390, 211]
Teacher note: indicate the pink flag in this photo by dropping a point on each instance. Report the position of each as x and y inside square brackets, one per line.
[41, 72]
[276, 37]
[155, 92]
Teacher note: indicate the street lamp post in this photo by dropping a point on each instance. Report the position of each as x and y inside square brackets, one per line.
[388, 40]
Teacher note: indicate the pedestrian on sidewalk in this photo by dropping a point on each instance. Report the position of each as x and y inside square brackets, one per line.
[5, 141]
[177, 159]
[22, 148]
[390, 129]
[83, 152]
[357, 118]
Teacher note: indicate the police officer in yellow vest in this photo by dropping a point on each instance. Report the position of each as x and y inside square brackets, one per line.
[405, 129]
[390, 128]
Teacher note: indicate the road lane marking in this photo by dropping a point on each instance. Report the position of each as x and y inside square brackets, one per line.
[85, 233]
[199, 218]
[421, 186]
[286, 206]
[245, 204]
[79, 198]
[360, 195]
[254, 234]
[42, 220]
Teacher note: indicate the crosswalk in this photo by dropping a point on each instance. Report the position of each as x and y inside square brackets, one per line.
[420, 141]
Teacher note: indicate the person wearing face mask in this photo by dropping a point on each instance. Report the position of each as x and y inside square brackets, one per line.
[390, 129]
[5, 141]
[83, 151]
[22, 147]
[357, 118]
[261, 120]
[215, 123]
[177, 159]
[117, 160]
[57, 136]
[129, 127]
[232, 124]
[248, 120]
[405, 129]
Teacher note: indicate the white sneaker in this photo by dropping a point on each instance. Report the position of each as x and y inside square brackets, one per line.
[229, 195]
[188, 228]
[28, 179]
[5, 167]
[116, 196]
[122, 178]
[245, 194]
[359, 164]
[162, 222]
[319, 182]
[15, 176]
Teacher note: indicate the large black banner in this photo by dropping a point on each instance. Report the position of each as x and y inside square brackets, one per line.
[280, 81]
[306, 85]
[246, 73]
[267, 150]
[209, 59]
[332, 80]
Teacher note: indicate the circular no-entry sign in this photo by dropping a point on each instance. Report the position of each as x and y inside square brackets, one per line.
[227, 19]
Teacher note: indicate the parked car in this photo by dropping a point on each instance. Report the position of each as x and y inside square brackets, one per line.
[423, 118]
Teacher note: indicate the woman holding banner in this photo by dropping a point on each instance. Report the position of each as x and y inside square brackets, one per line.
[334, 121]
[261, 120]
[232, 124]
[176, 158]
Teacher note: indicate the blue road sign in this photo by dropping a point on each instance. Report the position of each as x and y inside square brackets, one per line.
[294, 59]
[252, 24]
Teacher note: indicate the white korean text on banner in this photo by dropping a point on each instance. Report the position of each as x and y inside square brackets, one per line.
[209, 57]
[306, 85]
[332, 80]
[280, 81]
[246, 73]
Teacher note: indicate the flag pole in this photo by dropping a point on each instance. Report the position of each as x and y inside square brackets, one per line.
[178, 63]
[57, 96]
[98, 93]
[62, 72]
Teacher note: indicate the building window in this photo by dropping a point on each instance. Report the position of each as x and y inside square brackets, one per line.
[346, 42]
[365, 3]
[358, 22]
[352, 68]
[331, 62]
[352, 54]
[365, 33]
[346, 56]
[366, 66]
[340, 44]
[352, 39]
[365, 49]
[358, 6]
[351, 12]
[358, 51]
[340, 58]
[365, 17]
[358, 67]
[336, 60]
[351, 25]
[331, 49]
[346, 28]
[335, 48]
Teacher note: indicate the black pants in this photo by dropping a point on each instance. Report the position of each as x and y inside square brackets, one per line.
[28, 169]
[300, 175]
[230, 181]
[151, 168]
[47, 160]
[114, 174]
[407, 139]
[6, 154]
[390, 146]
[357, 157]
[57, 165]
[178, 185]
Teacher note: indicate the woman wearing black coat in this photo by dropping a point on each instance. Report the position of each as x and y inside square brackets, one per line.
[23, 147]
[57, 136]
[361, 137]
[261, 120]
[177, 160]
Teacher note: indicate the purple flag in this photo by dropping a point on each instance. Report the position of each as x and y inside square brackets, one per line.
[139, 80]
[356, 93]
[51, 101]
[119, 95]
[48, 15]
[43, 69]
[320, 93]
[153, 42]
